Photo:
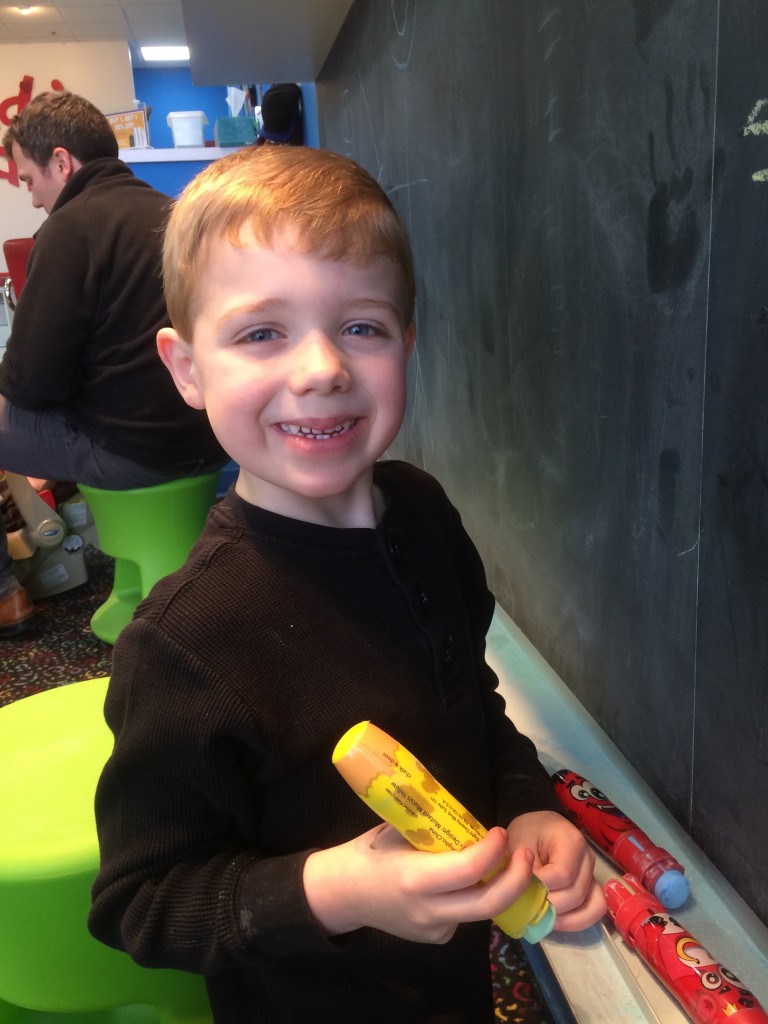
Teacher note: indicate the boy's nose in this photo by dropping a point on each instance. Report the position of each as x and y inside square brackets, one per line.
[319, 366]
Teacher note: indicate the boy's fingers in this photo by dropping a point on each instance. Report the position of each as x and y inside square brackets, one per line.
[587, 913]
[571, 865]
[445, 872]
[486, 900]
[468, 867]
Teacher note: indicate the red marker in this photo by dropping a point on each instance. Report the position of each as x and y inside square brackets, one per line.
[620, 838]
[706, 989]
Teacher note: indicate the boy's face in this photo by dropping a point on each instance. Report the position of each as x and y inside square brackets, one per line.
[300, 363]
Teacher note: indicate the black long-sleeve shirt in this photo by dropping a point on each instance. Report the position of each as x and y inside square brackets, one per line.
[228, 694]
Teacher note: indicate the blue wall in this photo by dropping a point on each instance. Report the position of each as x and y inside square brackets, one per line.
[166, 90]
[169, 178]
[169, 89]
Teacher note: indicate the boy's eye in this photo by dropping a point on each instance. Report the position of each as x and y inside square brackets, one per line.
[261, 334]
[362, 330]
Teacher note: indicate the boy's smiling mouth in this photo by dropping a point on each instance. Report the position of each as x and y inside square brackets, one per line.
[318, 433]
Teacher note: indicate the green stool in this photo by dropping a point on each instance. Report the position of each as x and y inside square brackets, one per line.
[149, 531]
[52, 748]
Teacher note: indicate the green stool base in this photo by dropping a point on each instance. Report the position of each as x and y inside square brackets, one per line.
[125, 1015]
[149, 531]
[53, 746]
[110, 618]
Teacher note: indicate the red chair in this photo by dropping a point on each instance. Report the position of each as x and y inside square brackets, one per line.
[16, 252]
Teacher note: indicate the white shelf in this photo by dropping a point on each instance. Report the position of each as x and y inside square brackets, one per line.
[178, 154]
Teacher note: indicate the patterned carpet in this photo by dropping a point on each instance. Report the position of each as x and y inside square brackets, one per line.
[62, 649]
[516, 993]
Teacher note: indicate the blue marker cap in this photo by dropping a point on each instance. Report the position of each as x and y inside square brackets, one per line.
[541, 928]
[672, 889]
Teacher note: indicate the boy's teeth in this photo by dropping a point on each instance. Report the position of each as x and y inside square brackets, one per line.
[294, 428]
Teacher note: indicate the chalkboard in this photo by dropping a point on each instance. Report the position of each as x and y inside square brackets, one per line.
[590, 375]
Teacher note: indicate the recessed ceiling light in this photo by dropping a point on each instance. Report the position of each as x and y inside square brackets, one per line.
[25, 9]
[165, 52]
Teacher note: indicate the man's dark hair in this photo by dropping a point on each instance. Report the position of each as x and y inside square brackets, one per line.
[54, 119]
[281, 115]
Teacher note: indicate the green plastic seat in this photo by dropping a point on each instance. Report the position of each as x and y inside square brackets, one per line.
[52, 748]
[149, 531]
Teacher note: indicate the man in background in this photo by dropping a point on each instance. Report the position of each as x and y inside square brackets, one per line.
[281, 116]
[83, 393]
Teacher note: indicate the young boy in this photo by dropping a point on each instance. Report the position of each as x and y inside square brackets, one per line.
[327, 588]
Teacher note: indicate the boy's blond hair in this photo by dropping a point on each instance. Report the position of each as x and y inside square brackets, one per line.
[335, 208]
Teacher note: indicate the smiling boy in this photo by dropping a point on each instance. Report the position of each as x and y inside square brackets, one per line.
[329, 586]
[300, 363]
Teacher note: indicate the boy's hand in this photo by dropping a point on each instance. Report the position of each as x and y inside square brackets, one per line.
[565, 863]
[378, 880]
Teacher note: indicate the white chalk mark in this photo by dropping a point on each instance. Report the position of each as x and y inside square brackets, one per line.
[371, 125]
[549, 17]
[420, 395]
[681, 554]
[407, 184]
[693, 762]
[347, 121]
[400, 28]
[551, 48]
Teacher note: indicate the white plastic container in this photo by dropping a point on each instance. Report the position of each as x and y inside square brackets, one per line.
[187, 127]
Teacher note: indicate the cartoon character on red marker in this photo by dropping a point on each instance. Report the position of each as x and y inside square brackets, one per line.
[619, 837]
[594, 812]
[708, 990]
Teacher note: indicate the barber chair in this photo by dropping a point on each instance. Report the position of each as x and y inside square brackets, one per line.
[16, 252]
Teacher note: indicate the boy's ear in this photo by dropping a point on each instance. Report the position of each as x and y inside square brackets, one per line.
[177, 356]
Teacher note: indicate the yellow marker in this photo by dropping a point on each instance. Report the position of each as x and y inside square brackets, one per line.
[402, 792]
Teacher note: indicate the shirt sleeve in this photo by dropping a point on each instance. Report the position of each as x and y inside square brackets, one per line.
[179, 884]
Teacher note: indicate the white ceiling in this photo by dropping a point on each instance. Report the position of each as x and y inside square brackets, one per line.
[261, 40]
[230, 40]
[138, 22]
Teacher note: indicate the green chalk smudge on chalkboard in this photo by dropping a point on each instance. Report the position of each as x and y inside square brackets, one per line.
[753, 126]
